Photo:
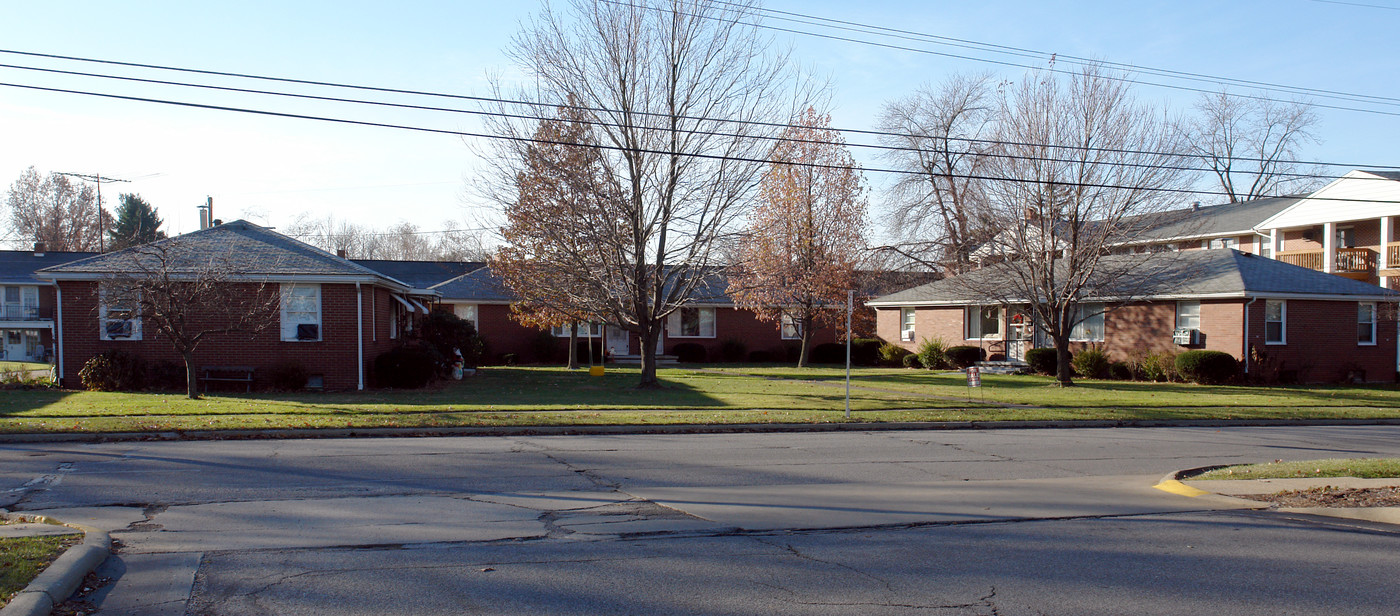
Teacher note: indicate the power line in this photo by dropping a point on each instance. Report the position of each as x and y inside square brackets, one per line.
[1361, 4]
[1051, 69]
[840, 24]
[610, 147]
[605, 110]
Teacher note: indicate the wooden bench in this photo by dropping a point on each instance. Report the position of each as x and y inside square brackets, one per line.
[234, 374]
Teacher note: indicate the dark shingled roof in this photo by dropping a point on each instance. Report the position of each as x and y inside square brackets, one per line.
[420, 274]
[1389, 175]
[245, 247]
[479, 285]
[1212, 220]
[1188, 273]
[18, 266]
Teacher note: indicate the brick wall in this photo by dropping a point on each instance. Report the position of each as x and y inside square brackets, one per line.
[757, 335]
[334, 356]
[1322, 341]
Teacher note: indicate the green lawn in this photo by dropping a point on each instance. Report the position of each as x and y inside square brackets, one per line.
[12, 366]
[24, 558]
[1364, 468]
[698, 394]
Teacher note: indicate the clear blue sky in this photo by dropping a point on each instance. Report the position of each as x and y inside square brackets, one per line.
[271, 169]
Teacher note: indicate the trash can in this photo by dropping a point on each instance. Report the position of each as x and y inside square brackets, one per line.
[595, 371]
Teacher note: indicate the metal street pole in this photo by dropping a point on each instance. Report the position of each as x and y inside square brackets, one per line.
[850, 307]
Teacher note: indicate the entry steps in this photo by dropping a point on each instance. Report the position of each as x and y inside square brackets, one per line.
[661, 360]
[1003, 367]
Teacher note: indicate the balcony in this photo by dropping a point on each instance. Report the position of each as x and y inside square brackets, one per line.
[16, 312]
[1354, 263]
[1392, 260]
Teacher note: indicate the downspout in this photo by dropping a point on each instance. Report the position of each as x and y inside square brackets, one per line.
[1245, 352]
[58, 330]
[360, 333]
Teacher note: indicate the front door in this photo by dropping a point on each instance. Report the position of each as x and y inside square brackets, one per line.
[14, 345]
[617, 340]
[1020, 332]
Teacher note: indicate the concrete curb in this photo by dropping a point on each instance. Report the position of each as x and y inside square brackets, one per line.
[60, 579]
[1172, 483]
[306, 433]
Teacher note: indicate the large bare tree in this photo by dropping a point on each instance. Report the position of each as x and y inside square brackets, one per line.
[188, 296]
[1252, 145]
[807, 235]
[55, 210]
[939, 136]
[684, 96]
[405, 241]
[1080, 168]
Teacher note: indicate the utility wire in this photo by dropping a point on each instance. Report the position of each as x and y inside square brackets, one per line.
[1050, 69]
[605, 110]
[697, 155]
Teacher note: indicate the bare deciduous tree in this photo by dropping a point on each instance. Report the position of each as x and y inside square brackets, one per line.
[940, 136]
[57, 211]
[807, 234]
[1251, 144]
[404, 241]
[1080, 165]
[683, 95]
[188, 296]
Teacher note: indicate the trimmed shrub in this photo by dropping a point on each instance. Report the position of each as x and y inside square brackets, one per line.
[865, 351]
[911, 361]
[1120, 371]
[931, 354]
[1207, 367]
[1159, 367]
[509, 359]
[288, 375]
[689, 352]
[409, 366]
[581, 349]
[1090, 363]
[893, 355]
[964, 356]
[545, 348]
[113, 370]
[733, 350]
[760, 357]
[166, 375]
[446, 332]
[1043, 361]
[829, 353]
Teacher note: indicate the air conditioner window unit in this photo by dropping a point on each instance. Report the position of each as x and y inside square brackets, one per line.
[1186, 336]
[907, 335]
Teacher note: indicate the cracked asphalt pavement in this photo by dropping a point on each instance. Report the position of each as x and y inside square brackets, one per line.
[927, 522]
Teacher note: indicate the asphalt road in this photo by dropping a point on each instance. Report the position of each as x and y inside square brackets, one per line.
[928, 522]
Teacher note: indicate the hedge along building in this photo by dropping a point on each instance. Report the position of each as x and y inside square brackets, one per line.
[334, 316]
[1300, 323]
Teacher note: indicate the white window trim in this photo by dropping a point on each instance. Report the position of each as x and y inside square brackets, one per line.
[562, 331]
[967, 323]
[287, 288]
[475, 319]
[907, 326]
[102, 320]
[673, 323]
[1177, 320]
[1283, 321]
[1374, 330]
[1079, 310]
[786, 322]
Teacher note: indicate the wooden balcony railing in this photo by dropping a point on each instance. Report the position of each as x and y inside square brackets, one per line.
[1392, 258]
[1311, 259]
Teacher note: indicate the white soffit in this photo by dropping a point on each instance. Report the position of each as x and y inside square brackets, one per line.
[1374, 196]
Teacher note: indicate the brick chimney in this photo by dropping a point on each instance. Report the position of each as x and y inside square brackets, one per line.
[340, 252]
[39, 248]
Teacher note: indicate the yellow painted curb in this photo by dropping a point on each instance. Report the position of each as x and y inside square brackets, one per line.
[1176, 487]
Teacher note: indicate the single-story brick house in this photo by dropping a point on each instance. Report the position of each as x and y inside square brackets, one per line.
[335, 317]
[1314, 326]
[27, 303]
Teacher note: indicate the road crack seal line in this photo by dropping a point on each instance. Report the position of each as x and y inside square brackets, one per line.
[788, 547]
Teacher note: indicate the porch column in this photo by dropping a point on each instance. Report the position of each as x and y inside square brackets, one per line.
[1383, 261]
[1275, 243]
[1329, 247]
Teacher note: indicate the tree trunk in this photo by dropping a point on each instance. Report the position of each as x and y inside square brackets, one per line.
[191, 380]
[806, 335]
[573, 345]
[1064, 368]
[649, 336]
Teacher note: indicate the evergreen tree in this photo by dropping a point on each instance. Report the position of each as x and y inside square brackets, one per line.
[136, 224]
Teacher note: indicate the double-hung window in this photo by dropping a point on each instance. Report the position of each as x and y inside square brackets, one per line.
[118, 314]
[467, 312]
[691, 322]
[1366, 323]
[906, 324]
[1275, 321]
[301, 312]
[1188, 314]
[585, 330]
[789, 328]
[982, 322]
[1088, 323]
